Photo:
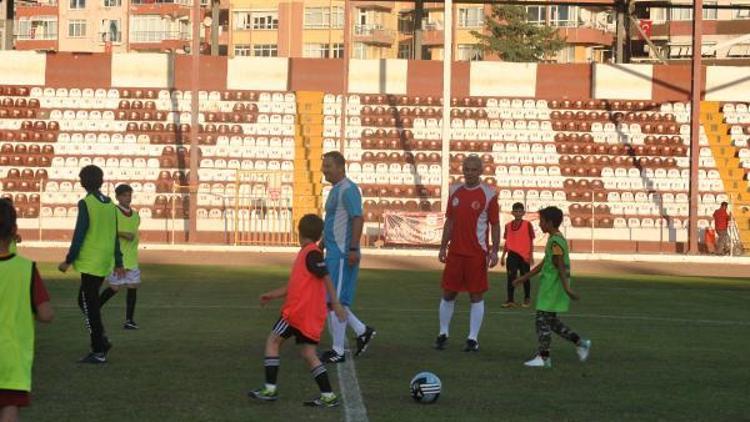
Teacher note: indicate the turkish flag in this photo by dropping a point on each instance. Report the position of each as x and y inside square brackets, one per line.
[646, 26]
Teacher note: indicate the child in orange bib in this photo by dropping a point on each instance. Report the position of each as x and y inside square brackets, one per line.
[303, 315]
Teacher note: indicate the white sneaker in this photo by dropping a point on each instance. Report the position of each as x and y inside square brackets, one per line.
[539, 362]
[583, 348]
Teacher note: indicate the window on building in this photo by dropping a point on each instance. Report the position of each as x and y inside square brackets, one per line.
[110, 31]
[149, 28]
[710, 14]
[242, 50]
[536, 14]
[686, 13]
[317, 17]
[468, 53]
[567, 54]
[742, 14]
[360, 50]
[242, 20]
[739, 50]
[77, 4]
[77, 28]
[265, 20]
[37, 28]
[685, 51]
[406, 23]
[470, 17]
[315, 50]
[112, 3]
[404, 51]
[337, 17]
[657, 14]
[337, 50]
[564, 15]
[265, 50]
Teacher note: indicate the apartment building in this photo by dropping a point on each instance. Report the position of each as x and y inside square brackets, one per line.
[725, 31]
[6, 24]
[379, 29]
[314, 28]
[112, 25]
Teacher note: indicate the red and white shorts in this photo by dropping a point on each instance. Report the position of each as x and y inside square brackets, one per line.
[465, 273]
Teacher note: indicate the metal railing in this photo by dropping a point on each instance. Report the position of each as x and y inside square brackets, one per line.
[158, 36]
[180, 2]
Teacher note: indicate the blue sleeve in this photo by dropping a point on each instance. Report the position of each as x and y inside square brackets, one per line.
[82, 226]
[352, 202]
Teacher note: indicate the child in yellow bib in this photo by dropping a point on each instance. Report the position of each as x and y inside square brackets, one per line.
[23, 298]
[554, 291]
[128, 222]
[94, 252]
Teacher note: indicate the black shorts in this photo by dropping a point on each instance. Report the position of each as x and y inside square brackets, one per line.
[285, 330]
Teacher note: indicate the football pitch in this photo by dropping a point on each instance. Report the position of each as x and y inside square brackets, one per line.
[664, 348]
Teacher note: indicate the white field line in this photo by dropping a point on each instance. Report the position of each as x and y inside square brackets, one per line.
[354, 405]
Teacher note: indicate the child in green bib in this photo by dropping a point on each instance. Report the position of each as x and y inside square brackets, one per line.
[554, 291]
[23, 299]
[128, 222]
[94, 252]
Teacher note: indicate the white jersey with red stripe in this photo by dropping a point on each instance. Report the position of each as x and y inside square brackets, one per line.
[472, 211]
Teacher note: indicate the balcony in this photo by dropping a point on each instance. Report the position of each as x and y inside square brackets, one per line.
[158, 40]
[36, 9]
[374, 34]
[586, 36]
[36, 40]
[158, 36]
[383, 6]
[111, 37]
[175, 8]
[668, 29]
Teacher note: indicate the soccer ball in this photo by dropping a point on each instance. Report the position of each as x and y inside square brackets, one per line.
[425, 387]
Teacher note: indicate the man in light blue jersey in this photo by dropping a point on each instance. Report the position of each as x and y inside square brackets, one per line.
[341, 235]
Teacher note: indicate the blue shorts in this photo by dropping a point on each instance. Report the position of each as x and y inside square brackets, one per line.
[344, 277]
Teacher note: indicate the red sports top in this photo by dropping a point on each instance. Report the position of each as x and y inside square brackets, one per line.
[519, 239]
[305, 304]
[721, 219]
[472, 211]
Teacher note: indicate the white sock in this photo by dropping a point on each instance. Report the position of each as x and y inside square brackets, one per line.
[338, 332]
[475, 320]
[446, 314]
[354, 322]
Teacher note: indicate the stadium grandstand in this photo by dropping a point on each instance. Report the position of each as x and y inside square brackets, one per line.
[228, 150]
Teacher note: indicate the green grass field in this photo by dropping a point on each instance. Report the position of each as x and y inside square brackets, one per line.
[663, 349]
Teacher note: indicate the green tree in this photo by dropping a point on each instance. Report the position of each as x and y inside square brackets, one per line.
[514, 39]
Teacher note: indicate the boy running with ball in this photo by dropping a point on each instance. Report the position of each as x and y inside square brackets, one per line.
[303, 315]
[554, 291]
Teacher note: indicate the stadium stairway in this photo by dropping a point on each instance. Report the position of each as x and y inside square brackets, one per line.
[729, 166]
[308, 151]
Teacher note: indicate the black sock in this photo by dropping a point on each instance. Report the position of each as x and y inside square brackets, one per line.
[106, 295]
[321, 377]
[271, 363]
[130, 302]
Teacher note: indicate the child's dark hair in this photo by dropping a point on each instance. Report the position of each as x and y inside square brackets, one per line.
[7, 219]
[518, 206]
[123, 189]
[552, 215]
[92, 178]
[311, 227]
[725, 204]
